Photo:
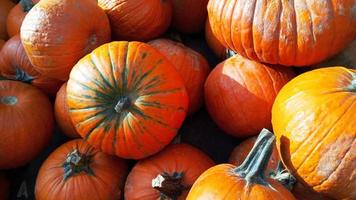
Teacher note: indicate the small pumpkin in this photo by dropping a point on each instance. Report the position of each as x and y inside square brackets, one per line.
[313, 118]
[76, 164]
[126, 99]
[191, 65]
[168, 174]
[138, 20]
[29, 123]
[214, 44]
[15, 65]
[4, 187]
[73, 30]
[5, 7]
[61, 113]
[247, 181]
[239, 94]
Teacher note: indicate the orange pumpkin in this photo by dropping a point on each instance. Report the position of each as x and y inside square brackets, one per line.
[4, 187]
[77, 171]
[15, 65]
[292, 33]
[2, 42]
[168, 174]
[69, 29]
[192, 66]
[214, 44]
[27, 123]
[314, 121]
[239, 94]
[138, 20]
[5, 7]
[126, 99]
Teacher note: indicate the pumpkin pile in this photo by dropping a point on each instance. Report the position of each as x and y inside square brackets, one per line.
[120, 99]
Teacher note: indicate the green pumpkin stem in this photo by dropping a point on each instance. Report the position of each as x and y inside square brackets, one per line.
[26, 5]
[283, 176]
[122, 104]
[352, 87]
[169, 186]
[76, 163]
[229, 53]
[22, 76]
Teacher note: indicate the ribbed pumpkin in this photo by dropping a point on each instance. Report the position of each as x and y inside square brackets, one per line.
[245, 182]
[191, 65]
[168, 174]
[69, 30]
[127, 99]
[314, 121]
[214, 44]
[77, 171]
[27, 123]
[61, 113]
[5, 7]
[189, 15]
[138, 20]
[14, 64]
[239, 94]
[292, 33]
[4, 187]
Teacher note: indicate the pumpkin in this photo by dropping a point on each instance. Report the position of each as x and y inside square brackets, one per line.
[168, 174]
[4, 187]
[126, 99]
[16, 16]
[73, 30]
[239, 94]
[76, 171]
[247, 181]
[291, 33]
[14, 64]
[213, 43]
[191, 65]
[5, 7]
[313, 118]
[139, 20]
[189, 15]
[61, 113]
[27, 123]
[2, 42]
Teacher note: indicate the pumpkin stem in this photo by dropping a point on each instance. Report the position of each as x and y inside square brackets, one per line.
[9, 100]
[252, 169]
[352, 87]
[22, 76]
[283, 176]
[123, 104]
[169, 186]
[229, 53]
[76, 163]
[26, 5]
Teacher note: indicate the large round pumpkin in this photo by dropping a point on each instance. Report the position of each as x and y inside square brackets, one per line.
[127, 99]
[138, 20]
[192, 66]
[239, 94]
[26, 123]
[168, 174]
[297, 33]
[77, 171]
[4, 187]
[14, 64]
[215, 45]
[57, 33]
[5, 7]
[314, 121]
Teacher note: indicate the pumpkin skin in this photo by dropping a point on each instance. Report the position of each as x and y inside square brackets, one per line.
[2, 42]
[81, 21]
[99, 176]
[15, 65]
[290, 33]
[4, 187]
[214, 44]
[126, 99]
[137, 20]
[239, 94]
[191, 65]
[61, 113]
[178, 171]
[29, 117]
[5, 7]
[313, 120]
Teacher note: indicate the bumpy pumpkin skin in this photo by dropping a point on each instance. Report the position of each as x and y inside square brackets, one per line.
[105, 178]
[178, 158]
[291, 33]
[126, 99]
[239, 94]
[4, 187]
[214, 44]
[314, 121]
[69, 30]
[137, 20]
[29, 123]
[5, 7]
[191, 65]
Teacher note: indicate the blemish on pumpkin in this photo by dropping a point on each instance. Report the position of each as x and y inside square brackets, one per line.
[59, 39]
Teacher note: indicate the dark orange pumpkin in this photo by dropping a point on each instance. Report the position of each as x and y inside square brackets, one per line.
[292, 33]
[239, 94]
[57, 33]
[27, 123]
[127, 99]
[138, 20]
[14, 64]
[168, 174]
[4, 187]
[61, 112]
[2, 42]
[214, 44]
[77, 171]
[192, 66]
[5, 7]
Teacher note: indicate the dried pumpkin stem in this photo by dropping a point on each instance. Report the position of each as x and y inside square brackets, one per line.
[352, 87]
[123, 104]
[76, 163]
[169, 186]
[26, 5]
[283, 176]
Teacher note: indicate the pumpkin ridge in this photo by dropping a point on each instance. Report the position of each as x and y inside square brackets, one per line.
[96, 63]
